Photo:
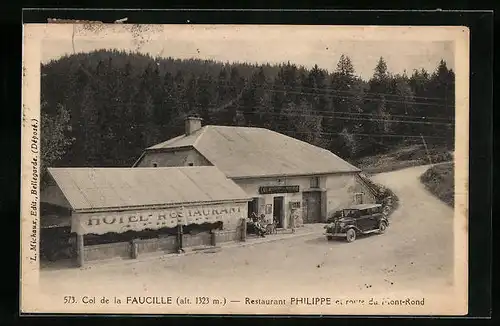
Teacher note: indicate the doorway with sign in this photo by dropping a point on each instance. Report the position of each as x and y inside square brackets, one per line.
[278, 211]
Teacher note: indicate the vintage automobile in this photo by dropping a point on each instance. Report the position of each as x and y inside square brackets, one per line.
[358, 219]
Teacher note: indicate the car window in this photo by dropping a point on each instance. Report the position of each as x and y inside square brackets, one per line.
[349, 213]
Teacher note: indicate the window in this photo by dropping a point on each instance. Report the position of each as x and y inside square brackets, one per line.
[314, 182]
[155, 165]
[358, 198]
[350, 213]
[190, 164]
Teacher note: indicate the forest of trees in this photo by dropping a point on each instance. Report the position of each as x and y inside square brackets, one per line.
[103, 108]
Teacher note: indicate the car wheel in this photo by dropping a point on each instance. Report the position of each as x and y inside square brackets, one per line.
[351, 235]
[329, 237]
[382, 227]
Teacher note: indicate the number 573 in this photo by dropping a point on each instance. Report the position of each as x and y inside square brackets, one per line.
[69, 299]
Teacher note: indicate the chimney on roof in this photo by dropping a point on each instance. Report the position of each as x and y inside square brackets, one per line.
[192, 124]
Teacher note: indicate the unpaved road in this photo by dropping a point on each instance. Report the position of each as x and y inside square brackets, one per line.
[415, 254]
[422, 226]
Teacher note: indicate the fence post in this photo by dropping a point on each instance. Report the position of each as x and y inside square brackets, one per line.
[179, 238]
[213, 238]
[243, 229]
[134, 252]
[80, 250]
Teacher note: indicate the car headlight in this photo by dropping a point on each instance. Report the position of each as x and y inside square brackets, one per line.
[342, 224]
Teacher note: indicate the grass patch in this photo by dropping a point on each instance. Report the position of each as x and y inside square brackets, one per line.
[403, 158]
[439, 180]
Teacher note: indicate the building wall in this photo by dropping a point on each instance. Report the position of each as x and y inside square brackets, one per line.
[232, 231]
[182, 157]
[230, 214]
[251, 187]
[337, 191]
[341, 190]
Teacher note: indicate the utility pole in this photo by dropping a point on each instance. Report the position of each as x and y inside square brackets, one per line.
[426, 149]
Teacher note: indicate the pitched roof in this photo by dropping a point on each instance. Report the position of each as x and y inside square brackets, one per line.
[104, 188]
[246, 152]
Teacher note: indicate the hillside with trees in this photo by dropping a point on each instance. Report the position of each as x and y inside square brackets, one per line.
[103, 108]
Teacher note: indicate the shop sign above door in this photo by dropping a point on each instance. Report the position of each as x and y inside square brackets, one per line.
[264, 190]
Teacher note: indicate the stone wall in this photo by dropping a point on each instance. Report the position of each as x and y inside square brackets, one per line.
[107, 251]
[165, 244]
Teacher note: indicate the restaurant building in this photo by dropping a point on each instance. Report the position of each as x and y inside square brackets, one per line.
[125, 212]
[290, 181]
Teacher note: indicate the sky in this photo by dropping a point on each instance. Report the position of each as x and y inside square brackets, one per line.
[404, 49]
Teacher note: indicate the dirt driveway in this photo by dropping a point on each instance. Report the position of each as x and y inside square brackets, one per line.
[415, 254]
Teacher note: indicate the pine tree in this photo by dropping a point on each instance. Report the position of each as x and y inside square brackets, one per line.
[255, 100]
[380, 89]
[347, 103]
[345, 67]
[221, 97]
[307, 125]
[55, 139]
[90, 135]
[120, 102]
[236, 89]
[205, 94]
[381, 72]
[442, 83]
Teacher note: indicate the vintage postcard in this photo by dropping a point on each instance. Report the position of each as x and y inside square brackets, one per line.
[244, 169]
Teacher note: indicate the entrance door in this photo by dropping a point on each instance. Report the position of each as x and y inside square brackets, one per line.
[312, 206]
[252, 207]
[278, 211]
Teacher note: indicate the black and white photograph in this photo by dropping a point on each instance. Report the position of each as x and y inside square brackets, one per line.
[244, 169]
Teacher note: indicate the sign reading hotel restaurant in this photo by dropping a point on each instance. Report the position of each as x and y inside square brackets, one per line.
[119, 222]
[278, 189]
